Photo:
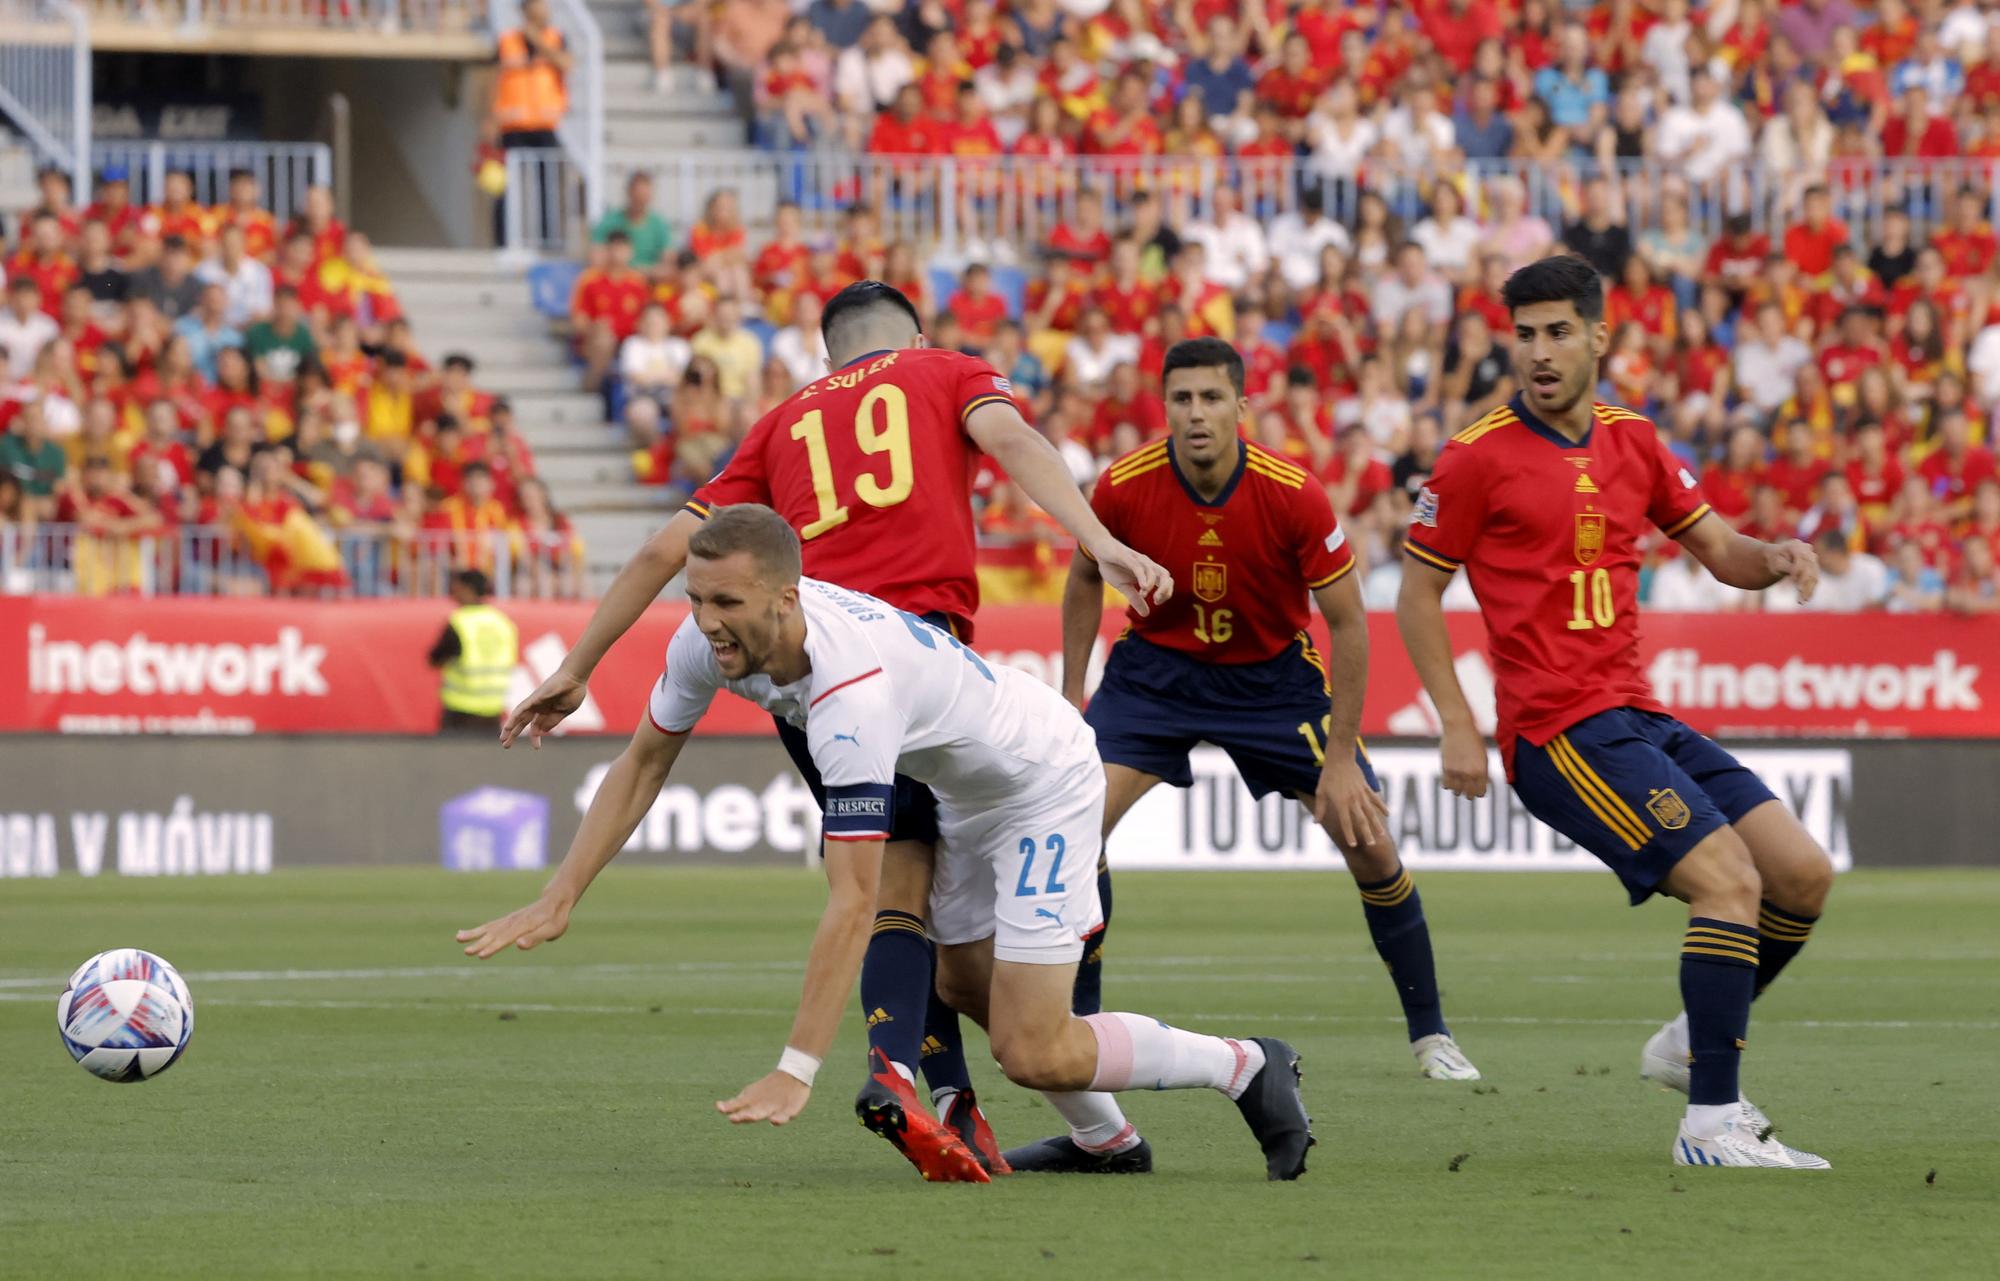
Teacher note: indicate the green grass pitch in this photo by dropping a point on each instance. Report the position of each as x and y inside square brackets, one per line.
[550, 1114]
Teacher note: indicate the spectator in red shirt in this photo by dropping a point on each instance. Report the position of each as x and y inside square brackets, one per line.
[1967, 244]
[114, 208]
[1956, 468]
[972, 133]
[1126, 400]
[1729, 482]
[976, 308]
[1638, 299]
[1455, 29]
[1125, 127]
[780, 265]
[1873, 474]
[177, 214]
[1916, 133]
[1809, 244]
[1917, 521]
[1127, 300]
[1084, 239]
[605, 307]
[1355, 476]
[1263, 360]
[58, 201]
[1295, 83]
[904, 129]
[1056, 301]
[1738, 256]
[1857, 348]
[245, 209]
[1797, 473]
[43, 260]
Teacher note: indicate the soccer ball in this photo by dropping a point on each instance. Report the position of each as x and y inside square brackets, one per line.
[126, 1015]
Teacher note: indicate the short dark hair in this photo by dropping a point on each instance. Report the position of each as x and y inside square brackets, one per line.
[458, 360]
[753, 528]
[859, 299]
[1562, 278]
[474, 581]
[619, 237]
[1204, 353]
[475, 469]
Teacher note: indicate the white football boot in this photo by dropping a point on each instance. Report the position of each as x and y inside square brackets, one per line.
[1664, 1062]
[1440, 1059]
[1742, 1144]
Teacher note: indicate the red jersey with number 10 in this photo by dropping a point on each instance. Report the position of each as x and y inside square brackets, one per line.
[872, 466]
[1549, 533]
[1243, 564]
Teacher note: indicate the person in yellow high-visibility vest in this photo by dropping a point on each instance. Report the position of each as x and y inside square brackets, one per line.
[477, 652]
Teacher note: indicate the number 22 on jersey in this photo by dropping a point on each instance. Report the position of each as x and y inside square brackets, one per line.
[892, 437]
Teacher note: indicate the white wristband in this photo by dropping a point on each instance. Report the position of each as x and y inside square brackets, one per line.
[798, 1065]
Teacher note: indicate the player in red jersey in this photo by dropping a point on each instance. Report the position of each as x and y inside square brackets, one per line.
[1230, 662]
[1545, 502]
[872, 466]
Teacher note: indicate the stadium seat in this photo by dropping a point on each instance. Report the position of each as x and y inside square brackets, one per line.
[550, 285]
[1011, 283]
[1280, 333]
[764, 330]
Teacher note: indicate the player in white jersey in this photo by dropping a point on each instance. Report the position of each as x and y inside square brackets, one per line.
[1020, 795]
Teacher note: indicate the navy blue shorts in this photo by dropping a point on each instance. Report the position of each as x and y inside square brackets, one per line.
[914, 814]
[1637, 789]
[1155, 704]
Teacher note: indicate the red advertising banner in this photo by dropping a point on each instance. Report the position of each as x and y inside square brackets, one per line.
[132, 666]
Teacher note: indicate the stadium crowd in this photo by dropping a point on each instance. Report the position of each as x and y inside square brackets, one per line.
[1817, 383]
[201, 399]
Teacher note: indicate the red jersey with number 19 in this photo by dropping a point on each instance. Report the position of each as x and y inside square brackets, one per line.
[872, 466]
[1242, 565]
[1549, 532]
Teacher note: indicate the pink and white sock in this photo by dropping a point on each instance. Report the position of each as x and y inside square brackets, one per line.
[1138, 1053]
[1095, 1121]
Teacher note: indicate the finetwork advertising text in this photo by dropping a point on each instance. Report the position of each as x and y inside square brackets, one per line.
[146, 668]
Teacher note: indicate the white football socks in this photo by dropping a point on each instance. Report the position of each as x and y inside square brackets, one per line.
[1136, 1052]
[1095, 1122]
[1709, 1120]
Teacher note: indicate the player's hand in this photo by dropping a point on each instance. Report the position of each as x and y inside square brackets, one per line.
[1463, 753]
[776, 1097]
[544, 709]
[1137, 578]
[542, 921]
[1797, 561]
[1344, 803]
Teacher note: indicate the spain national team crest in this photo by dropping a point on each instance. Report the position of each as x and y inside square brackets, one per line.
[1210, 580]
[1667, 806]
[1589, 536]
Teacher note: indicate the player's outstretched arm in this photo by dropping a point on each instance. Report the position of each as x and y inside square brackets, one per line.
[1343, 801]
[1420, 618]
[637, 586]
[627, 792]
[1082, 613]
[1033, 464]
[853, 874]
[1749, 563]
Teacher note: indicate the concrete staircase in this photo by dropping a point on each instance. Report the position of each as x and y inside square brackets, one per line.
[469, 301]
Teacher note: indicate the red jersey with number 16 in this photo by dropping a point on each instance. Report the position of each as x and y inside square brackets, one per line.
[1243, 565]
[872, 466]
[1549, 533]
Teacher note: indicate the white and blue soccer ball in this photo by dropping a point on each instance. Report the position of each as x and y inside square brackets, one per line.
[126, 1015]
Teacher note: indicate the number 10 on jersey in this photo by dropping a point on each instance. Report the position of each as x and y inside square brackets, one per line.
[891, 438]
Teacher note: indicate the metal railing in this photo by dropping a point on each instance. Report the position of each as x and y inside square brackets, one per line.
[206, 560]
[45, 82]
[544, 208]
[1011, 204]
[284, 169]
[384, 16]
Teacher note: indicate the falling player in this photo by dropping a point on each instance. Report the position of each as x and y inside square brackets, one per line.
[1251, 539]
[880, 694]
[872, 466]
[1544, 502]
